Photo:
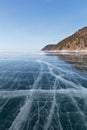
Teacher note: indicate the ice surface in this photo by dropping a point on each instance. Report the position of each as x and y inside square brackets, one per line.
[43, 92]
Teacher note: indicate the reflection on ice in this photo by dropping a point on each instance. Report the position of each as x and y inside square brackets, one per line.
[43, 93]
[78, 60]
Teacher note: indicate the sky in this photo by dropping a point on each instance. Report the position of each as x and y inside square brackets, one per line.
[29, 25]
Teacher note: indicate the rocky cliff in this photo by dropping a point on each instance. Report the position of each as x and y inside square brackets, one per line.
[77, 41]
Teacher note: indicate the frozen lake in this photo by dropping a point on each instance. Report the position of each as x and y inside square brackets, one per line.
[43, 91]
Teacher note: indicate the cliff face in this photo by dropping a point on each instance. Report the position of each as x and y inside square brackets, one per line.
[77, 41]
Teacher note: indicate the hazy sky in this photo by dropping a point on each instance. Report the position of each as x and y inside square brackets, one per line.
[27, 25]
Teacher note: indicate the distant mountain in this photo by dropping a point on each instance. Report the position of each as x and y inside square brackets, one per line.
[77, 41]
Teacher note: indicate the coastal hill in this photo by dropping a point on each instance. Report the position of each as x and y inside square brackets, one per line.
[77, 41]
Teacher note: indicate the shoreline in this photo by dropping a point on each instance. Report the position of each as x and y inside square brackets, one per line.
[65, 51]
